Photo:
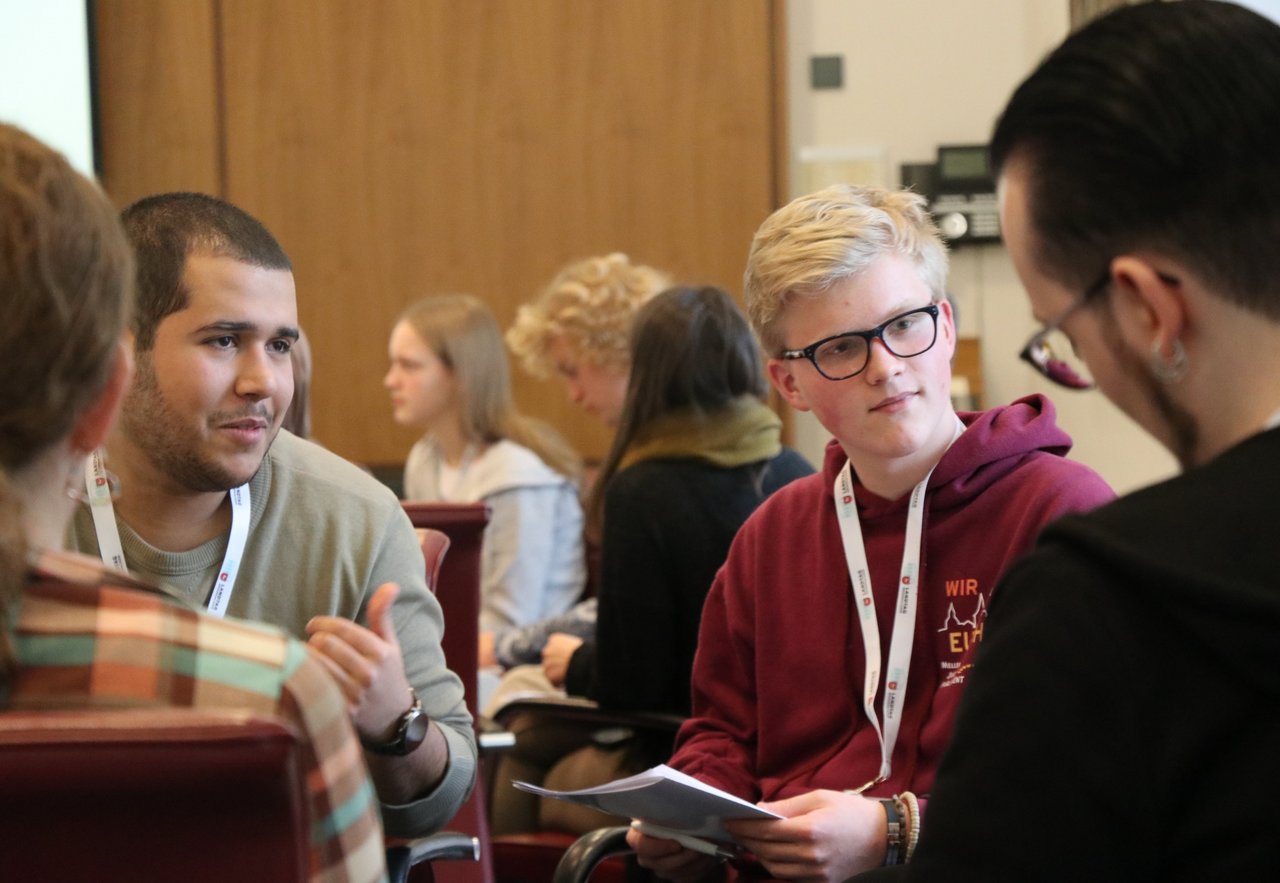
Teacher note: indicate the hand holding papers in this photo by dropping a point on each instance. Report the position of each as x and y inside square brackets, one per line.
[666, 802]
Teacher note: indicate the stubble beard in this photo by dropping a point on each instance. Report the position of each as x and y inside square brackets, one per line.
[158, 431]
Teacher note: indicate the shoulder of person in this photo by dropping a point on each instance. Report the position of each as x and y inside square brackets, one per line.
[505, 465]
[306, 472]
[792, 463]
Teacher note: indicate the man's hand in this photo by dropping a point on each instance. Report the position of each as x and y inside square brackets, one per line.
[824, 836]
[366, 663]
[669, 859]
[556, 654]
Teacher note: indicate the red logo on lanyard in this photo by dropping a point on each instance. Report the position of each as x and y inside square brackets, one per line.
[866, 602]
[893, 685]
[906, 580]
[222, 577]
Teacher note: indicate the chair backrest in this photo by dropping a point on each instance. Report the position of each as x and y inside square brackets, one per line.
[130, 794]
[457, 586]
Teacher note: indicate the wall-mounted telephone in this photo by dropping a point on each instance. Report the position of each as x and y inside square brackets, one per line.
[961, 191]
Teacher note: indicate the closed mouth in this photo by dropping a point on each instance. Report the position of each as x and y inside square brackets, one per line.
[892, 400]
[244, 425]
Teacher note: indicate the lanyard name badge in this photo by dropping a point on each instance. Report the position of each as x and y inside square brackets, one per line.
[902, 637]
[112, 550]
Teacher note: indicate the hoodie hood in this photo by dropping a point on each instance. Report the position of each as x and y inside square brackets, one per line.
[994, 443]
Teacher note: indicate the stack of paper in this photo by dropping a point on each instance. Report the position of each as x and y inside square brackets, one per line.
[665, 797]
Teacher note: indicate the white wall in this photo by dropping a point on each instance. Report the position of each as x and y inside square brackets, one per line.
[44, 74]
[919, 73]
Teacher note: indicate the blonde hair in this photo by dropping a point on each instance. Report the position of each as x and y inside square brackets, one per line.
[464, 335]
[815, 241]
[590, 304]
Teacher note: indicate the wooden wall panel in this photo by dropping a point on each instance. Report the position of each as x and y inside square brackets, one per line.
[158, 96]
[405, 147]
[402, 148]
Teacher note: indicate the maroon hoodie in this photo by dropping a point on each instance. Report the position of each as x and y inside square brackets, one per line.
[777, 680]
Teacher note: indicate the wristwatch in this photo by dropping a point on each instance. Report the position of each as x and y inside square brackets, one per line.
[411, 729]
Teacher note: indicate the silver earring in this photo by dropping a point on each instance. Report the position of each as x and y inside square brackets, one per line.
[1174, 368]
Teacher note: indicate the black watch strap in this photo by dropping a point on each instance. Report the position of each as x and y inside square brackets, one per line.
[411, 729]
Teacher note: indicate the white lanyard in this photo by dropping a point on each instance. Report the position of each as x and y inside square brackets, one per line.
[904, 621]
[1274, 422]
[104, 515]
[112, 551]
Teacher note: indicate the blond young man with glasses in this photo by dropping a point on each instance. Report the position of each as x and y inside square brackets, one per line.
[838, 637]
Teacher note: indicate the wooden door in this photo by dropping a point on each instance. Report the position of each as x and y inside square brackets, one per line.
[399, 148]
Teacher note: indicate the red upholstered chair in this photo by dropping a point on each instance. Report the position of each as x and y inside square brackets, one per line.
[457, 587]
[158, 794]
[164, 794]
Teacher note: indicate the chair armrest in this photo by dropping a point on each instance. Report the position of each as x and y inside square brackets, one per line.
[441, 846]
[492, 737]
[588, 851]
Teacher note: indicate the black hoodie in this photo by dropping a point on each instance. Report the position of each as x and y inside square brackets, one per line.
[1123, 718]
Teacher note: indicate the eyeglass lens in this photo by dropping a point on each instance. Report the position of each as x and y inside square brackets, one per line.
[908, 335]
[1054, 356]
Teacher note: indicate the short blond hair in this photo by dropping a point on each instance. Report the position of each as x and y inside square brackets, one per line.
[815, 241]
[591, 304]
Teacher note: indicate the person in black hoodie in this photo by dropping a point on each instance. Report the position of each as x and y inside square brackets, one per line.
[1123, 715]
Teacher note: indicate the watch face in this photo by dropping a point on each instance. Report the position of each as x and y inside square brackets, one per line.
[415, 731]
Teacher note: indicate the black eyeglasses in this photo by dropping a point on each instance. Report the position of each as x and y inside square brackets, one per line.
[1053, 354]
[846, 355]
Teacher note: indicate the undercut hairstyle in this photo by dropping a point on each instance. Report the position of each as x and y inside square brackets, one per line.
[590, 304]
[167, 228]
[818, 240]
[692, 350]
[1154, 128]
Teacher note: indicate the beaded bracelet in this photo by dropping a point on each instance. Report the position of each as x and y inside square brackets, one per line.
[911, 815]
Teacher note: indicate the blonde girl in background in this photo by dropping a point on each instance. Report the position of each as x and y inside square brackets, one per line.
[577, 330]
[449, 377]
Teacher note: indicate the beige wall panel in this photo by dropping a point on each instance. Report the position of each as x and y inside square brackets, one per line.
[404, 147]
[158, 96]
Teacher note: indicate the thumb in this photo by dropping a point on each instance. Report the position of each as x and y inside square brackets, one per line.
[379, 613]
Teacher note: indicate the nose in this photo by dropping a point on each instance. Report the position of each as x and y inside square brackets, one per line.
[576, 392]
[259, 375]
[881, 364]
[388, 379]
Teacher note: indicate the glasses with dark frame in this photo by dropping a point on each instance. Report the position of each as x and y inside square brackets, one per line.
[846, 355]
[1053, 354]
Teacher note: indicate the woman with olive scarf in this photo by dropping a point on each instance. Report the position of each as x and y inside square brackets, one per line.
[696, 452]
